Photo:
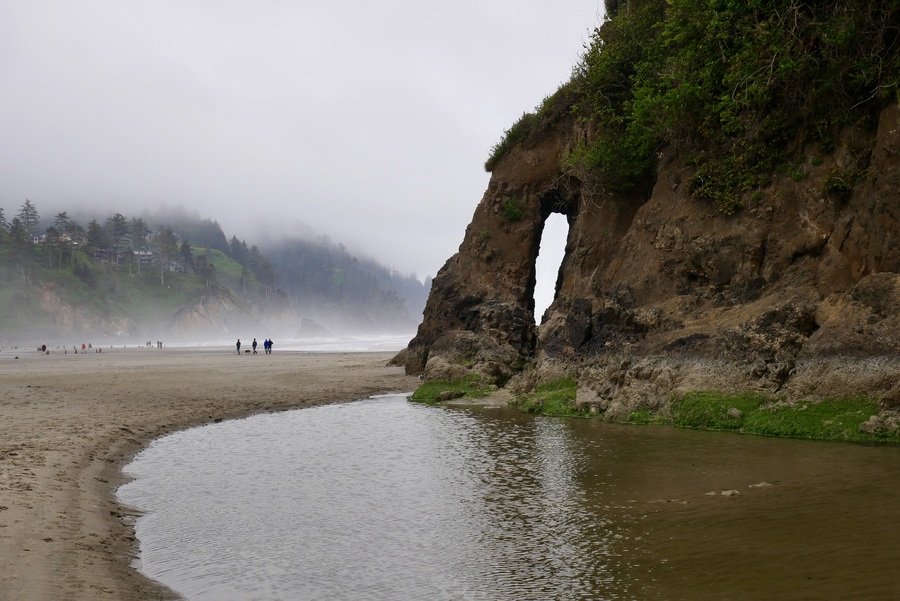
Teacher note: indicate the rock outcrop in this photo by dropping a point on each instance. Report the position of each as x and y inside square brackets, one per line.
[797, 294]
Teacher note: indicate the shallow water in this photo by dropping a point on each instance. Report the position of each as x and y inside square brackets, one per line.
[386, 499]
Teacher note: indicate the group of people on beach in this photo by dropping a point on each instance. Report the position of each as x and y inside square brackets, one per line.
[267, 346]
[44, 350]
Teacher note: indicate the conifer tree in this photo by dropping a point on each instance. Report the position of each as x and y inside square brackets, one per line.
[28, 216]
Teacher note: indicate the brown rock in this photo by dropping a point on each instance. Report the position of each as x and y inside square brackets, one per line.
[799, 293]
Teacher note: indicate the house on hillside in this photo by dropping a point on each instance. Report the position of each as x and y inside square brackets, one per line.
[106, 255]
[143, 257]
[113, 255]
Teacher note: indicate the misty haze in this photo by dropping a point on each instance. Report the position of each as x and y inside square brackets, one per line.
[320, 169]
[174, 276]
[474, 300]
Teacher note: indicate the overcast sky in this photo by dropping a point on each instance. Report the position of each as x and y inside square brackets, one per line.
[368, 121]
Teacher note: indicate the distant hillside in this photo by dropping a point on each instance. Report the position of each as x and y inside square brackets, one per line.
[321, 272]
[177, 275]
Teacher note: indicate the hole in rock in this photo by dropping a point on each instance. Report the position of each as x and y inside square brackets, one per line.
[546, 268]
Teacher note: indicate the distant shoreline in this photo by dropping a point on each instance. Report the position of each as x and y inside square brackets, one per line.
[68, 426]
[358, 343]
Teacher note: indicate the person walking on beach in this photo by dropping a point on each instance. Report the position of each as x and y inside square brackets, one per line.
[239, 346]
[254, 346]
[270, 346]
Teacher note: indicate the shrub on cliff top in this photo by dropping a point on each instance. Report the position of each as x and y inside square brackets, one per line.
[731, 83]
[553, 108]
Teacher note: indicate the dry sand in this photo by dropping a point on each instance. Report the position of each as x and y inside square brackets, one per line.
[69, 422]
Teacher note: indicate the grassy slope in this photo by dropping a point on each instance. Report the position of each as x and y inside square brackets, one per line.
[99, 292]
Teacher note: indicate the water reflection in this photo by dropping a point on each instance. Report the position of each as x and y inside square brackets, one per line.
[384, 499]
[527, 533]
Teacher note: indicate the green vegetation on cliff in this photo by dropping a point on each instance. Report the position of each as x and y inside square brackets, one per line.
[738, 86]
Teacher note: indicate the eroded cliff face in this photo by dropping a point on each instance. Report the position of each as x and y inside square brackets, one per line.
[797, 294]
[55, 318]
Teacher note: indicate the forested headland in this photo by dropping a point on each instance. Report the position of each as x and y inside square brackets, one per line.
[176, 275]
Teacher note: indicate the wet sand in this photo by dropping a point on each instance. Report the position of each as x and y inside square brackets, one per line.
[69, 422]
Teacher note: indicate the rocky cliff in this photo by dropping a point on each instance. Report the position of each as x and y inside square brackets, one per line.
[55, 318]
[797, 294]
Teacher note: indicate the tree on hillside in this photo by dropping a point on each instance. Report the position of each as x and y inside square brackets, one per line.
[18, 237]
[52, 241]
[266, 275]
[237, 250]
[165, 244]
[61, 222]
[117, 228]
[4, 228]
[206, 233]
[138, 231]
[261, 267]
[63, 235]
[187, 255]
[21, 248]
[28, 216]
[77, 235]
[97, 238]
[205, 269]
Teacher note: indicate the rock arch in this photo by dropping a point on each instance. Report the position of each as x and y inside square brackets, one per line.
[659, 293]
[480, 313]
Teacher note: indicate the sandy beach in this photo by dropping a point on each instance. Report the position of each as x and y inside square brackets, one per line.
[69, 422]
